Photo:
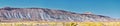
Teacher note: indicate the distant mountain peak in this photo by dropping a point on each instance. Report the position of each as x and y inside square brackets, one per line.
[88, 13]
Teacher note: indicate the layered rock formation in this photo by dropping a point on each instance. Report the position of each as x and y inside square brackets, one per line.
[8, 14]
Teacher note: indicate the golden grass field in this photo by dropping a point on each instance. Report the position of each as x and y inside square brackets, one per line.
[61, 24]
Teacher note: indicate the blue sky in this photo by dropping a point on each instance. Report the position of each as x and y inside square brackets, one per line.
[101, 7]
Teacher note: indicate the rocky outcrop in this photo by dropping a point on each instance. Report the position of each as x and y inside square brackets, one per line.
[42, 14]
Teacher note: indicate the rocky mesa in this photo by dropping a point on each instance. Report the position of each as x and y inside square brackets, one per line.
[9, 14]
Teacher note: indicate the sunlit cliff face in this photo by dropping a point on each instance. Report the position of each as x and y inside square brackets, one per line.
[42, 14]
